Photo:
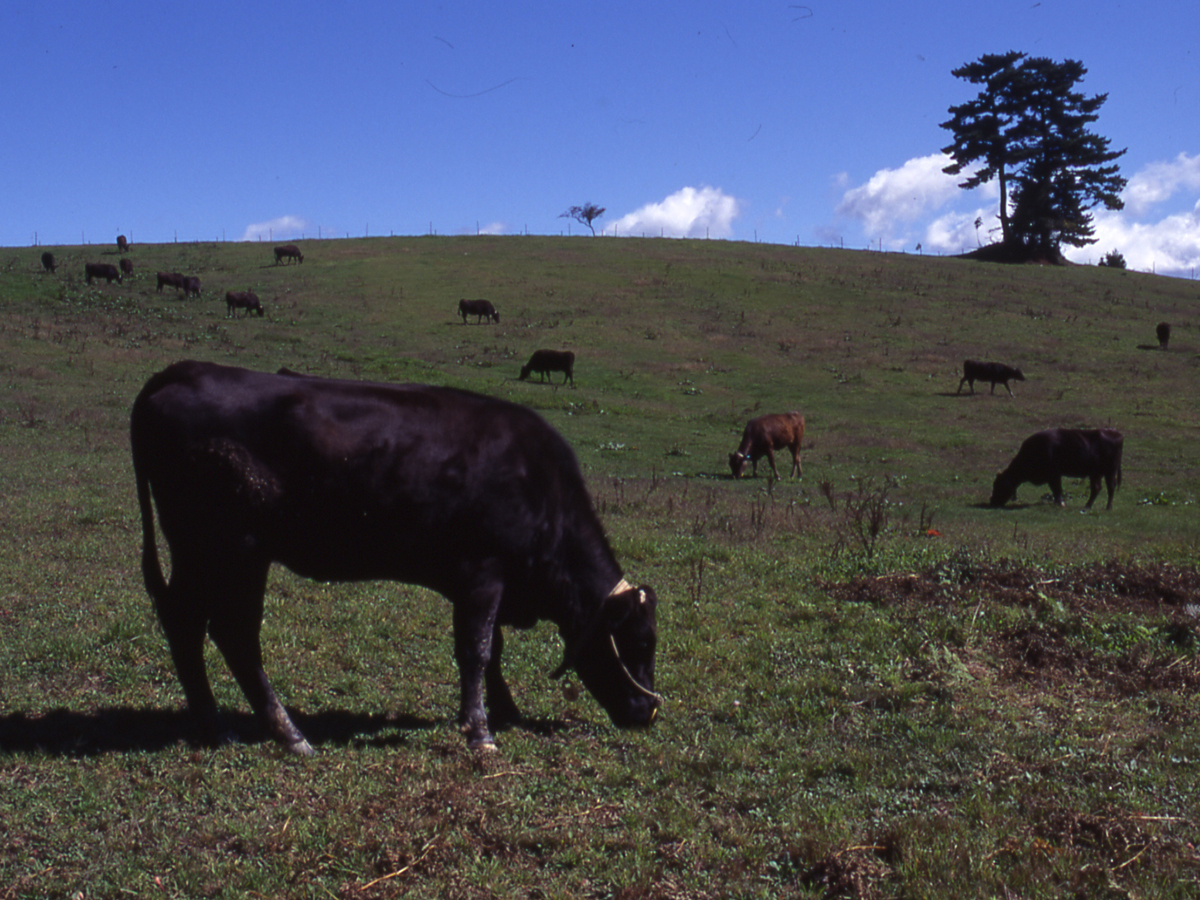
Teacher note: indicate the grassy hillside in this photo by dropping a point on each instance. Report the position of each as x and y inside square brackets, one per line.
[878, 686]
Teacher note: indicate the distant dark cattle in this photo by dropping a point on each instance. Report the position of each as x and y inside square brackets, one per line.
[1163, 332]
[546, 361]
[763, 436]
[288, 252]
[107, 271]
[247, 300]
[126, 267]
[173, 279]
[191, 285]
[481, 309]
[122, 244]
[470, 496]
[989, 371]
[48, 262]
[1048, 456]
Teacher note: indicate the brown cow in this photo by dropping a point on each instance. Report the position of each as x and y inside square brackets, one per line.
[174, 279]
[122, 244]
[481, 309]
[763, 436]
[247, 300]
[107, 271]
[1163, 332]
[48, 262]
[288, 252]
[126, 267]
[546, 361]
[191, 285]
[996, 373]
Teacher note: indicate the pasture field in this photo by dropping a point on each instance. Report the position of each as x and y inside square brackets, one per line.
[877, 686]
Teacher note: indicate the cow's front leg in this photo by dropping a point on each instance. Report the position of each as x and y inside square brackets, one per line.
[502, 709]
[771, 460]
[1057, 490]
[474, 628]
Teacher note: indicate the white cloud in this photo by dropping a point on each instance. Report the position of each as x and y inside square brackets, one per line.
[1159, 181]
[895, 206]
[893, 198]
[955, 232]
[690, 212]
[1170, 246]
[283, 228]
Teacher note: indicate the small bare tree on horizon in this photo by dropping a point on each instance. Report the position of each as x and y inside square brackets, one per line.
[585, 215]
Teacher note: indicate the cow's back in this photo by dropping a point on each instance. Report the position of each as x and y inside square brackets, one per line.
[308, 470]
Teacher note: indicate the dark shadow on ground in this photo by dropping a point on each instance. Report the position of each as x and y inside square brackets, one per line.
[65, 732]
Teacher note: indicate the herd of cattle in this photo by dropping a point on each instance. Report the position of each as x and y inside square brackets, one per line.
[1043, 458]
[471, 496]
[235, 301]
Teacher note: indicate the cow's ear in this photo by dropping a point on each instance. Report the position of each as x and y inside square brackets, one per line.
[638, 601]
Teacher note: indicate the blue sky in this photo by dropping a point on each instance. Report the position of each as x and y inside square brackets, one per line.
[779, 122]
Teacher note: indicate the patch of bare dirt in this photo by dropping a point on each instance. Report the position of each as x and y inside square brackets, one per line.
[1048, 652]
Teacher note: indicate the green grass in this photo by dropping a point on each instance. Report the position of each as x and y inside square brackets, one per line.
[1003, 708]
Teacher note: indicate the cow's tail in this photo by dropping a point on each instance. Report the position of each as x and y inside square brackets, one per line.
[152, 574]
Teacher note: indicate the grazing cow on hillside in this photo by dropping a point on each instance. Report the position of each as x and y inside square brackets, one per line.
[1163, 332]
[989, 371]
[107, 271]
[247, 300]
[48, 262]
[288, 252]
[481, 309]
[126, 266]
[546, 361]
[191, 285]
[174, 279]
[122, 244]
[474, 497]
[763, 436]
[1048, 456]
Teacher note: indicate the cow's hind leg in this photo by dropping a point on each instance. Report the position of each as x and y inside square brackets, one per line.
[181, 614]
[235, 627]
[1095, 492]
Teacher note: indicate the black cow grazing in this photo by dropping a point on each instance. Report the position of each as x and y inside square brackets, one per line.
[474, 497]
[48, 262]
[122, 244]
[1163, 332]
[107, 271]
[191, 285]
[989, 371]
[546, 361]
[173, 279]
[247, 300]
[763, 436]
[1049, 455]
[481, 309]
[288, 252]
[126, 266]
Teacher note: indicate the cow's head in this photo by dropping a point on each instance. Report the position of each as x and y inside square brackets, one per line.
[616, 661]
[1004, 488]
[737, 464]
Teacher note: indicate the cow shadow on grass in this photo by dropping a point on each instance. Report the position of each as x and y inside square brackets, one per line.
[71, 733]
